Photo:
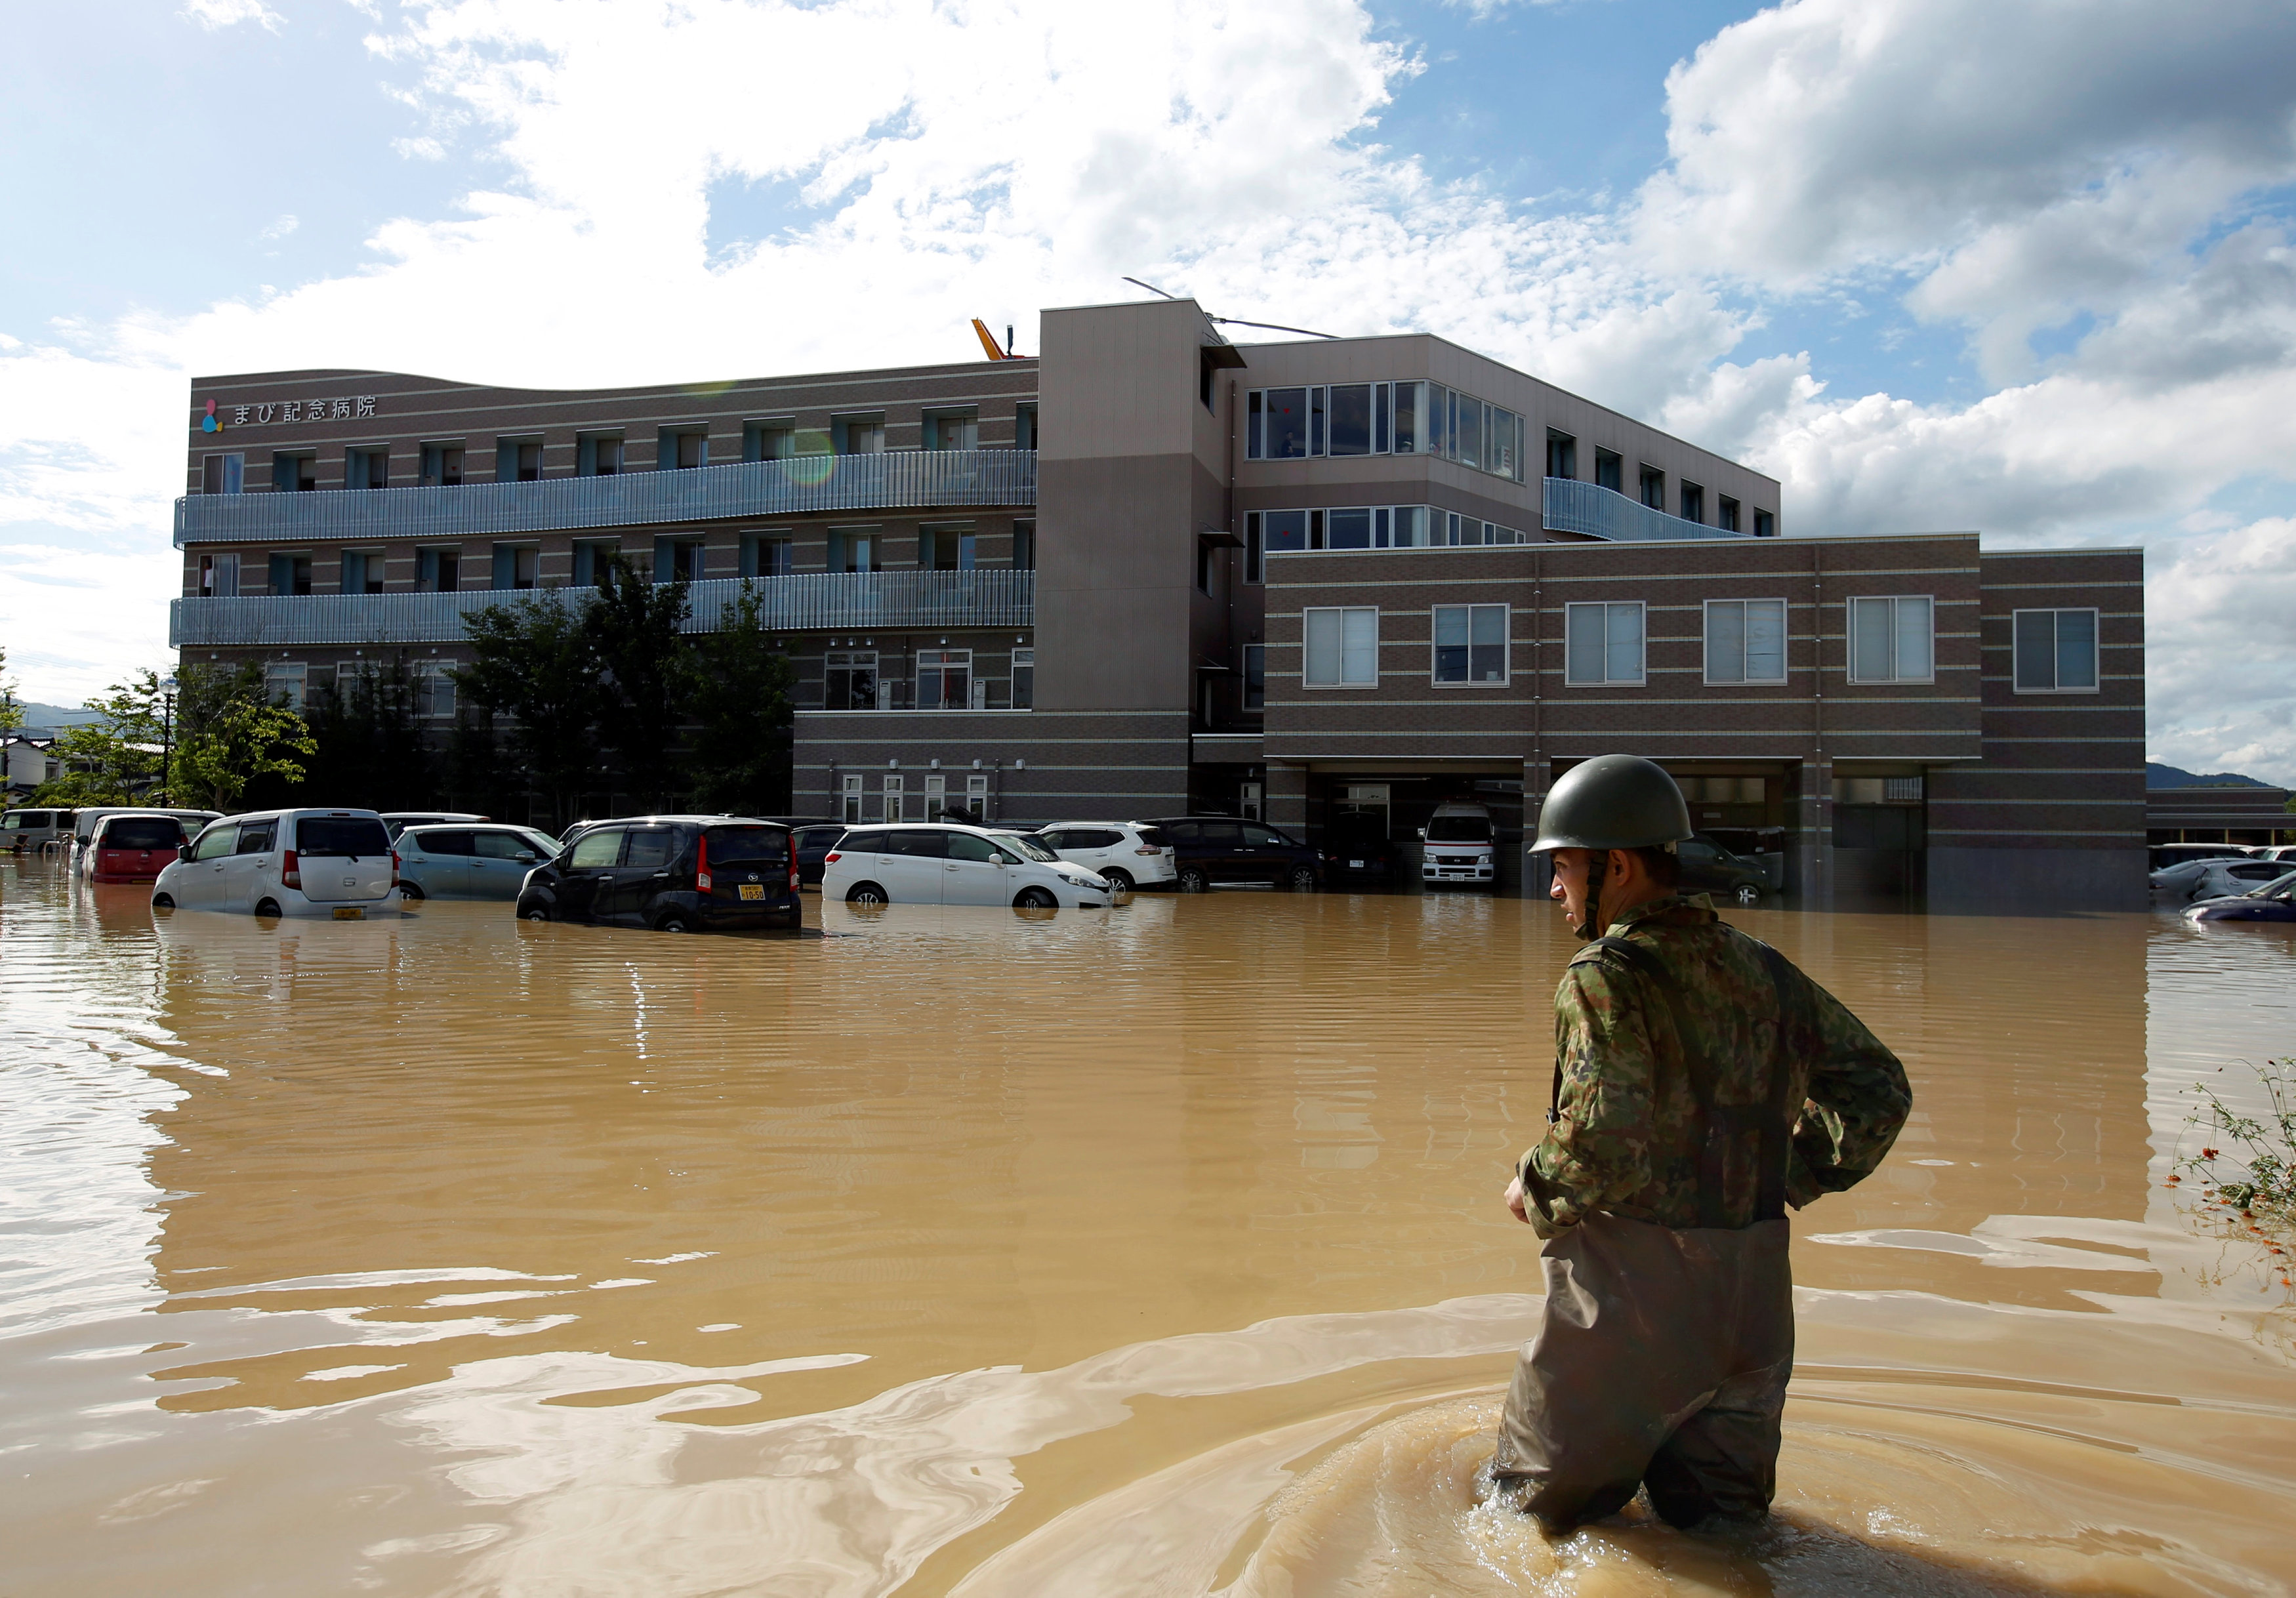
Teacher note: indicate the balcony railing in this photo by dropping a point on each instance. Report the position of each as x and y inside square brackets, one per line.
[1576, 507]
[809, 600]
[805, 486]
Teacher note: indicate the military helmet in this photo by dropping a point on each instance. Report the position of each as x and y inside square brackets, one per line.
[1613, 802]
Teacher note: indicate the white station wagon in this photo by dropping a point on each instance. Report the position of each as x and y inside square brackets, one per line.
[297, 863]
[927, 864]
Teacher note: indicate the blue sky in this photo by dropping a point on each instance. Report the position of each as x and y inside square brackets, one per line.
[1934, 263]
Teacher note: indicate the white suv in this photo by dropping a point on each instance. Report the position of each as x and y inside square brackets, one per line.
[1127, 853]
[945, 864]
[302, 862]
[1461, 846]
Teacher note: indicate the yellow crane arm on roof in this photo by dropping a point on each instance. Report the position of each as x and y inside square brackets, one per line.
[988, 342]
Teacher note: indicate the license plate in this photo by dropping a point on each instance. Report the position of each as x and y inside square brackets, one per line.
[753, 890]
[1354, 865]
[350, 912]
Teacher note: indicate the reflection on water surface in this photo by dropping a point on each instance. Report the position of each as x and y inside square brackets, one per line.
[1151, 1252]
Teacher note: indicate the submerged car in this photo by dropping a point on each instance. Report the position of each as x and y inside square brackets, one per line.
[1462, 846]
[290, 863]
[671, 873]
[2216, 879]
[1224, 848]
[1356, 848]
[1125, 853]
[130, 846]
[488, 861]
[1707, 868]
[2270, 901]
[923, 863]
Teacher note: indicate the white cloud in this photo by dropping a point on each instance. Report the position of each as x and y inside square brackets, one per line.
[280, 228]
[212, 14]
[2221, 650]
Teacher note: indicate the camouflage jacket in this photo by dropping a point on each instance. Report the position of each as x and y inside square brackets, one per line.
[1630, 1136]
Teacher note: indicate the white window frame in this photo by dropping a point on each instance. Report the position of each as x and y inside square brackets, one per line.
[1341, 613]
[290, 680]
[891, 798]
[941, 662]
[1573, 617]
[1507, 648]
[1850, 636]
[2095, 649]
[430, 679]
[1747, 678]
[850, 810]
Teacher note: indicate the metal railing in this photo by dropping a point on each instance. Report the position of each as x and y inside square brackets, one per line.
[1577, 507]
[808, 601]
[804, 486]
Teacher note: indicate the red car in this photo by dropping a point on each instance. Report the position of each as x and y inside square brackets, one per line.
[132, 848]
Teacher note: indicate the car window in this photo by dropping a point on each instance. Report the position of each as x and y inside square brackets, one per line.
[255, 837]
[971, 846]
[650, 846]
[506, 846]
[2262, 871]
[1153, 837]
[214, 842]
[1459, 829]
[929, 843]
[1260, 836]
[1181, 831]
[1095, 838]
[143, 833]
[1218, 834]
[1054, 839]
[596, 848]
[818, 838]
[350, 837]
[747, 846]
[444, 840]
[541, 843]
[1028, 848]
[1695, 848]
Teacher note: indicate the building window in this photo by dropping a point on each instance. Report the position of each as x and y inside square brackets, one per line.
[1745, 641]
[1653, 488]
[943, 679]
[850, 680]
[976, 796]
[1255, 676]
[679, 560]
[283, 683]
[946, 548]
[1609, 470]
[1350, 419]
[219, 575]
[857, 435]
[1766, 526]
[953, 430]
[439, 571]
[1203, 567]
[1562, 455]
[1727, 513]
[2055, 650]
[362, 572]
[1602, 644]
[850, 809]
[892, 797]
[367, 468]
[517, 565]
[291, 574]
[1024, 427]
[518, 460]
[592, 558]
[1471, 644]
[223, 474]
[294, 473]
[598, 454]
[1024, 678]
[434, 694]
[442, 465]
[1694, 503]
[1341, 647]
[1889, 639]
[1024, 546]
[1277, 424]
[768, 554]
[853, 549]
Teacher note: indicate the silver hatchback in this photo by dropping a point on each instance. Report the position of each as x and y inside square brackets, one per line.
[482, 862]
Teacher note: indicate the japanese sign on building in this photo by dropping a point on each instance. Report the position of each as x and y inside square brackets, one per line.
[348, 407]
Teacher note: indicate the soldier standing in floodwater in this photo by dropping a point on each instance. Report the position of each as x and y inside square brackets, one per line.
[1703, 1083]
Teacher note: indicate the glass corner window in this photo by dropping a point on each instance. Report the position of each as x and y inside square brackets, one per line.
[2055, 650]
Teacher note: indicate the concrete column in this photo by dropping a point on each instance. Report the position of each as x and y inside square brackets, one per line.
[1287, 797]
[1809, 854]
[1538, 870]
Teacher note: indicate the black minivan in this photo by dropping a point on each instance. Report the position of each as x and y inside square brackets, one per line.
[674, 874]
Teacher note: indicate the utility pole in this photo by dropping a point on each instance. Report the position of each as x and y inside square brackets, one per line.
[168, 689]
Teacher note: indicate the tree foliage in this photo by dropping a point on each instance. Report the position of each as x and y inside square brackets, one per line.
[114, 760]
[644, 670]
[371, 748]
[228, 737]
[12, 708]
[741, 702]
[533, 662]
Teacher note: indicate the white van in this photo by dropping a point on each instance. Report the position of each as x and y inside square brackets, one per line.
[301, 862]
[1461, 847]
[23, 831]
[85, 823]
[908, 864]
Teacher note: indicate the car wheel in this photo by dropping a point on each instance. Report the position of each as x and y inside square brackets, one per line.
[1119, 880]
[673, 923]
[535, 912]
[268, 907]
[1193, 880]
[412, 892]
[866, 893]
[1748, 894]
[161, 901]
[1302, 879]
[1035, 899]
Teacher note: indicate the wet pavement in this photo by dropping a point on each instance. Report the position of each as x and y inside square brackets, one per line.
[1157, 1250]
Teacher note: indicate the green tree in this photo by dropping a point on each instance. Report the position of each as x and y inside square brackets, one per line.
[645, 669]
[243, 741]
[372, 750]
[533, 662]
[114, 760]
[12, 708]
[739, 703]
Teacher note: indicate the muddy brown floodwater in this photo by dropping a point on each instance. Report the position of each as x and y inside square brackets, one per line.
[1152, 1251]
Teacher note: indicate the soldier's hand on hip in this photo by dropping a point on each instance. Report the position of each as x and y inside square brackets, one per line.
[1514, 1200]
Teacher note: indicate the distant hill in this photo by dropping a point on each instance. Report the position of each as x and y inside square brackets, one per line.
[2157, 775]
[47, 719]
